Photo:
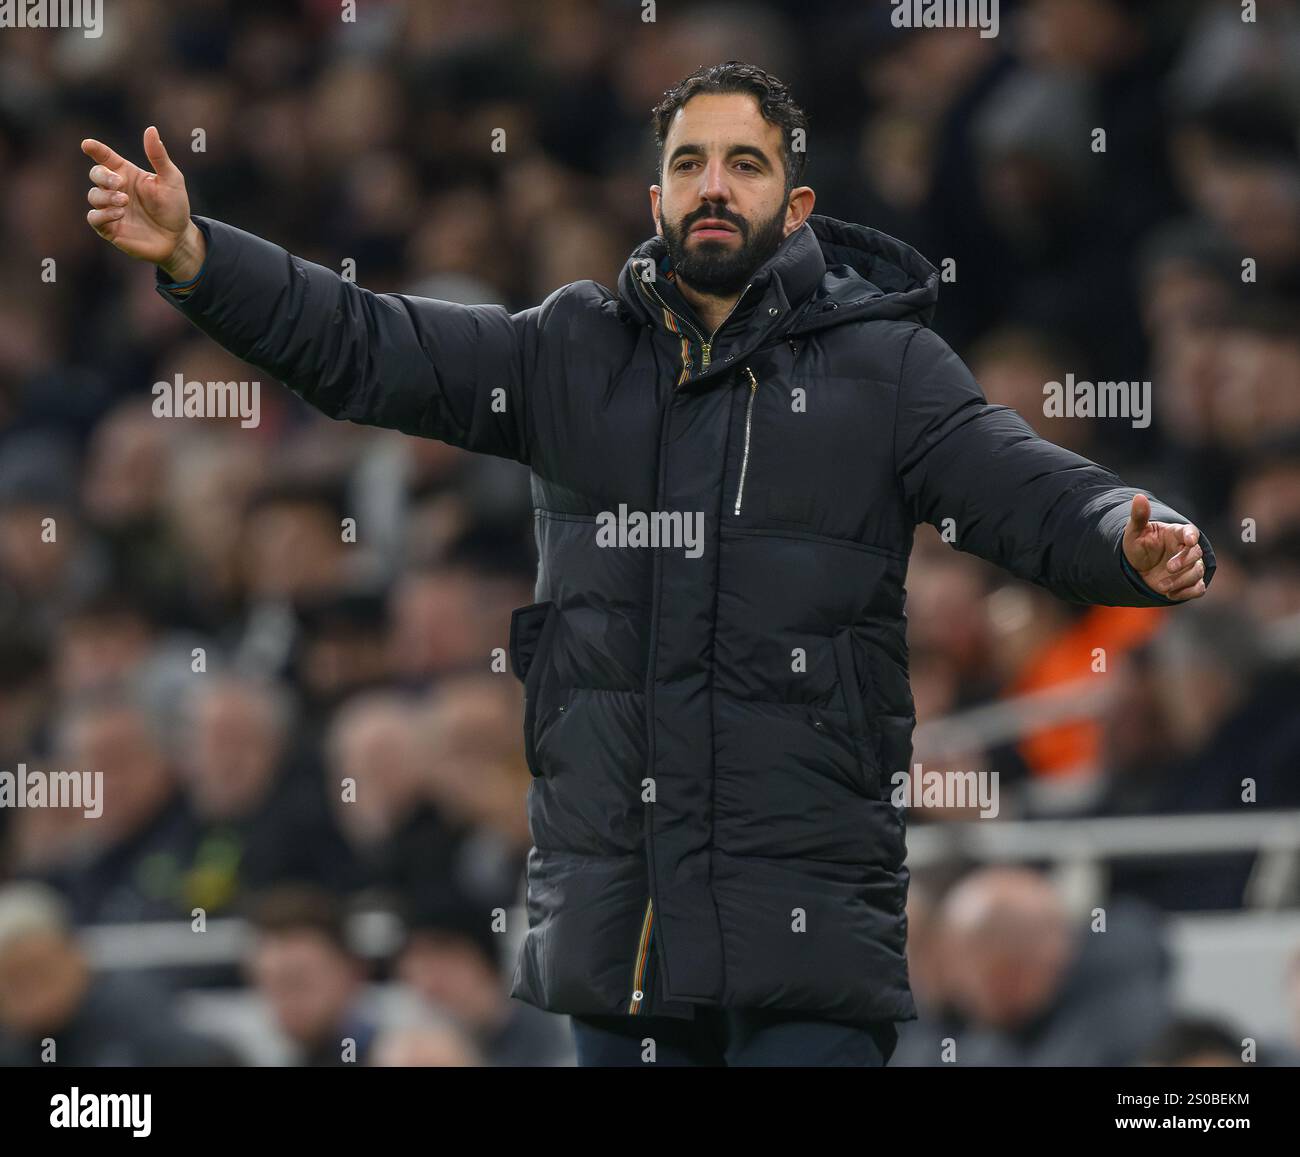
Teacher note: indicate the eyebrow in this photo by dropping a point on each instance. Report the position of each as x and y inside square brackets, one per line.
[735, 151]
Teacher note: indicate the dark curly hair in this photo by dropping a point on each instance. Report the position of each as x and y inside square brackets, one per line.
[774, 102]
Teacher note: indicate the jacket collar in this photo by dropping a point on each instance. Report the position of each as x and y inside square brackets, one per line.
[826, 273]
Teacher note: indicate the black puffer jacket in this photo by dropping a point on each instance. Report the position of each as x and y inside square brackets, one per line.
[710, 730]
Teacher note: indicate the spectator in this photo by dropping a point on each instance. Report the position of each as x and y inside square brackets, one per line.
[134, 860]
[261, 822]
[453, 960]
[1032, 988]
[55, 1010]
[303, 967]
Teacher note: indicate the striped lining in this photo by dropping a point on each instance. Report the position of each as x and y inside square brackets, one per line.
[642, 960]
[671, 322]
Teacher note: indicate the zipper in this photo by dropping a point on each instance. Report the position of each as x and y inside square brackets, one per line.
[706, 347]
[749, 414]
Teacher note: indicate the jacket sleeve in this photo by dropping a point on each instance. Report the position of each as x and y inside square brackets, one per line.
[458, 373]
[1044, 513]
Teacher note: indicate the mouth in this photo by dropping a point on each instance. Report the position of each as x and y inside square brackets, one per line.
[712, 229]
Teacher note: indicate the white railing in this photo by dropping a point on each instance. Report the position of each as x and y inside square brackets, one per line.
[1079, 852]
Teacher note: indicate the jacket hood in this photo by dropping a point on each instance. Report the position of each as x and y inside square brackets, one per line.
[826, 273]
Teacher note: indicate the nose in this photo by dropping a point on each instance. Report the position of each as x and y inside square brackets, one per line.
[713, 184]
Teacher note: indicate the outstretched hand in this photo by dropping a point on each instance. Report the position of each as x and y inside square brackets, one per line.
[1166, 555]
[146, 215]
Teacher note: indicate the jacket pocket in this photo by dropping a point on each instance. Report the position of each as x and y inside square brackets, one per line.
[531, 631]
[851, 692]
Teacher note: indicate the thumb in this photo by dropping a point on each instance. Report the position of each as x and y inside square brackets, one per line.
[157, 154]
[1139, 515]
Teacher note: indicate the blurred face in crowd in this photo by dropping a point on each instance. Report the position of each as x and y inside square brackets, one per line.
[118, 742]
[30, 560]
[373, 742]
[126, 466]
[1009, 942]
[477, 770]
[338, 659]
[232, 750]
[1014, 376]
[1270, 494]
[293, 548]
[42, 980]
[450, 972]
[723, 207]
[437, 623]
[1256, 202]
[307, 981]
[209, 483]
[1005, 985]
[97, 650]
[1076, 34]
[1257, 394]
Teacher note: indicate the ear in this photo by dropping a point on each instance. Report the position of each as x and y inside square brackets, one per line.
[655, 194]
[798, 208]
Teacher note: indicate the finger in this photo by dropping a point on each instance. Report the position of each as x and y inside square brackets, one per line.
[156, 151]
[1185, 557]
[98, 218]
[1193, 575]
[105, 198]
[105, 178]
[1176, 537]
[1191, 593]
[1139, 514]
[100, 152]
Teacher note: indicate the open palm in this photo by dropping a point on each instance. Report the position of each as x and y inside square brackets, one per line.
[144, 214]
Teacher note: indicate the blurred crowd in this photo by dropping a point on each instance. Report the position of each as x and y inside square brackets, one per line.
[299, 726]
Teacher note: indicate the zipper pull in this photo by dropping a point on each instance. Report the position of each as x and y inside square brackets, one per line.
[705, 350]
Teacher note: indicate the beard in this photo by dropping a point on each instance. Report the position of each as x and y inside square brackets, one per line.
[713, 267]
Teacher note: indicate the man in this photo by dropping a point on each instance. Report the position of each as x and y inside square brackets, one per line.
[1023, 984]
[136, 861]
[710, 720]
[303, 966]
[54, 1009]
[450, 957]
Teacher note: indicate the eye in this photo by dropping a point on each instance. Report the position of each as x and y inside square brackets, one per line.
[681, 165]
[753, 168]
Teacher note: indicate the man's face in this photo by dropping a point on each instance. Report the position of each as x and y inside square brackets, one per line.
[307, 982]
[42, 981]
[722, 207]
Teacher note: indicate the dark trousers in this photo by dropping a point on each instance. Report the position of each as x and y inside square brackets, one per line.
[731, 1038]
